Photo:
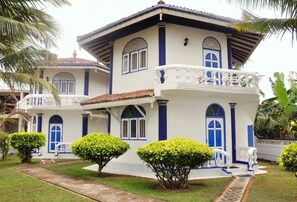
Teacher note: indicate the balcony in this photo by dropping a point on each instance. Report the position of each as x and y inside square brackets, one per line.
[47, 101]
[204, 80]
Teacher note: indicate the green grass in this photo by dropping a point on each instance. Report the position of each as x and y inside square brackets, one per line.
[198, 191]
[278, 185]
[15, 186]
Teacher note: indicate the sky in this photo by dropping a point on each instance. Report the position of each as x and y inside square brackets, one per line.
[83, 16]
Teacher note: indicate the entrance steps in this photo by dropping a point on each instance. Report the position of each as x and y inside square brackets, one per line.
[238, 169]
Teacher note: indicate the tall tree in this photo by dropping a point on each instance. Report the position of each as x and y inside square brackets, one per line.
[285, 23]
[26, 33]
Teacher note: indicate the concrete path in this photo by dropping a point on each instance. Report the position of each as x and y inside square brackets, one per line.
[85, 188]
[235, 191]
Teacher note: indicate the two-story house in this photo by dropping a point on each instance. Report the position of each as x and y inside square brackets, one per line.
[171, 75]
[76, 80]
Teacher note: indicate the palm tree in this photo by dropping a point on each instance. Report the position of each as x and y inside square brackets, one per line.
[26, 32]
[286, 23]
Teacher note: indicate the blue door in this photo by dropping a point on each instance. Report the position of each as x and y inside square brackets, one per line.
[56, 136]
[212, 60]
[215, 133]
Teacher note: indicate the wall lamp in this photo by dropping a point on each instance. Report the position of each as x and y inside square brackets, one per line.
[186, 41]
[47, 78]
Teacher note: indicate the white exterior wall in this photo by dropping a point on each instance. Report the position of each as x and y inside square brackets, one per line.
[192, 54]
[151, 132]
[98, 83]
[72, 125]
[186, 117]
[139, 80]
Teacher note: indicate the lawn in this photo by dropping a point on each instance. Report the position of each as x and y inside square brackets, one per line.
[278, 185]
[15, 186]
[198, 191]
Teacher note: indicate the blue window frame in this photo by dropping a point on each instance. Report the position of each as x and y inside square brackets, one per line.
[133, 125]
[134, 57]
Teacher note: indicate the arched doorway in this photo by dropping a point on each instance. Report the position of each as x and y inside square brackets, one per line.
[55, 132]
[215, 127]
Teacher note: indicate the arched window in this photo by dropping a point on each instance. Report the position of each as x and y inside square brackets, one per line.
[133, 123]
[64, 83]
[134, 56]
[211, 53]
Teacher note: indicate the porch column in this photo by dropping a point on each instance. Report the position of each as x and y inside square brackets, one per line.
[162, 119]
[162, 48]
[39, 122]
[233, 131]
[85, 121]
[229, 36]
[86, 82]
[110, 68]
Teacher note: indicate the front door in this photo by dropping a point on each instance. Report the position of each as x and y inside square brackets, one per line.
[56, 136]
[215, 133]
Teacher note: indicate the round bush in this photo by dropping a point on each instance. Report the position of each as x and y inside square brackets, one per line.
[173, 159]
[4, 145]
[25, 142]
[99, 148]
[288, 158]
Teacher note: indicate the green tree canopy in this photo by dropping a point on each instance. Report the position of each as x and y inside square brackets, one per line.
[26, 32]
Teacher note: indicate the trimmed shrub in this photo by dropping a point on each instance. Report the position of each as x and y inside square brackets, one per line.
[26, 142]
[4, 145]
[172, 160]
[288, 158]
[99, 148]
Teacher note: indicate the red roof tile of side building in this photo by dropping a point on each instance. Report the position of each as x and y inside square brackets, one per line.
[120, 96]
[76, 61]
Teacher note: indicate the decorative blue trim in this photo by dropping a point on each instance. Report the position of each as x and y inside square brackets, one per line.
[162, 49]
[225, 170]
[110, 72]
[85, 121]
[229, 49]
[39, 122]
[233, 131]
[162, 119]
[250, 130]
[87, 80]
[108, 123]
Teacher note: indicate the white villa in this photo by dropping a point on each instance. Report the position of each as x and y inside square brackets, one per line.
[76, 80]
[170, 75]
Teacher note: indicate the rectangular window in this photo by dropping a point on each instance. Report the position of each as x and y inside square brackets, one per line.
[126, 63]
[71, 87]
[125, 128]
[143, 59]
[142, 129]
[133, 128]
[134, 61]
[63, 89]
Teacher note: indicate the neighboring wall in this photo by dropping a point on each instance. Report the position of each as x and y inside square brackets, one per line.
[271, 149]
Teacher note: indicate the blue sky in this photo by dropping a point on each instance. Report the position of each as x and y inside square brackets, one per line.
[273, 54]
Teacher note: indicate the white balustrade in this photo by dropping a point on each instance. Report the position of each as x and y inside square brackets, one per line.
[221, 158]
[206, 76]
[48, 101]
[63, 147]
[247, 154]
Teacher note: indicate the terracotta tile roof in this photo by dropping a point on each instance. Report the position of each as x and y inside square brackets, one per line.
[76, 61]
[120, 96]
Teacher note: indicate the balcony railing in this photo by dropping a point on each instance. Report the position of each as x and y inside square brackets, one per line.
[198, 76]
[47, 101]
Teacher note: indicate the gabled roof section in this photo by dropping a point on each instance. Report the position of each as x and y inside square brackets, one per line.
[99, 42]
